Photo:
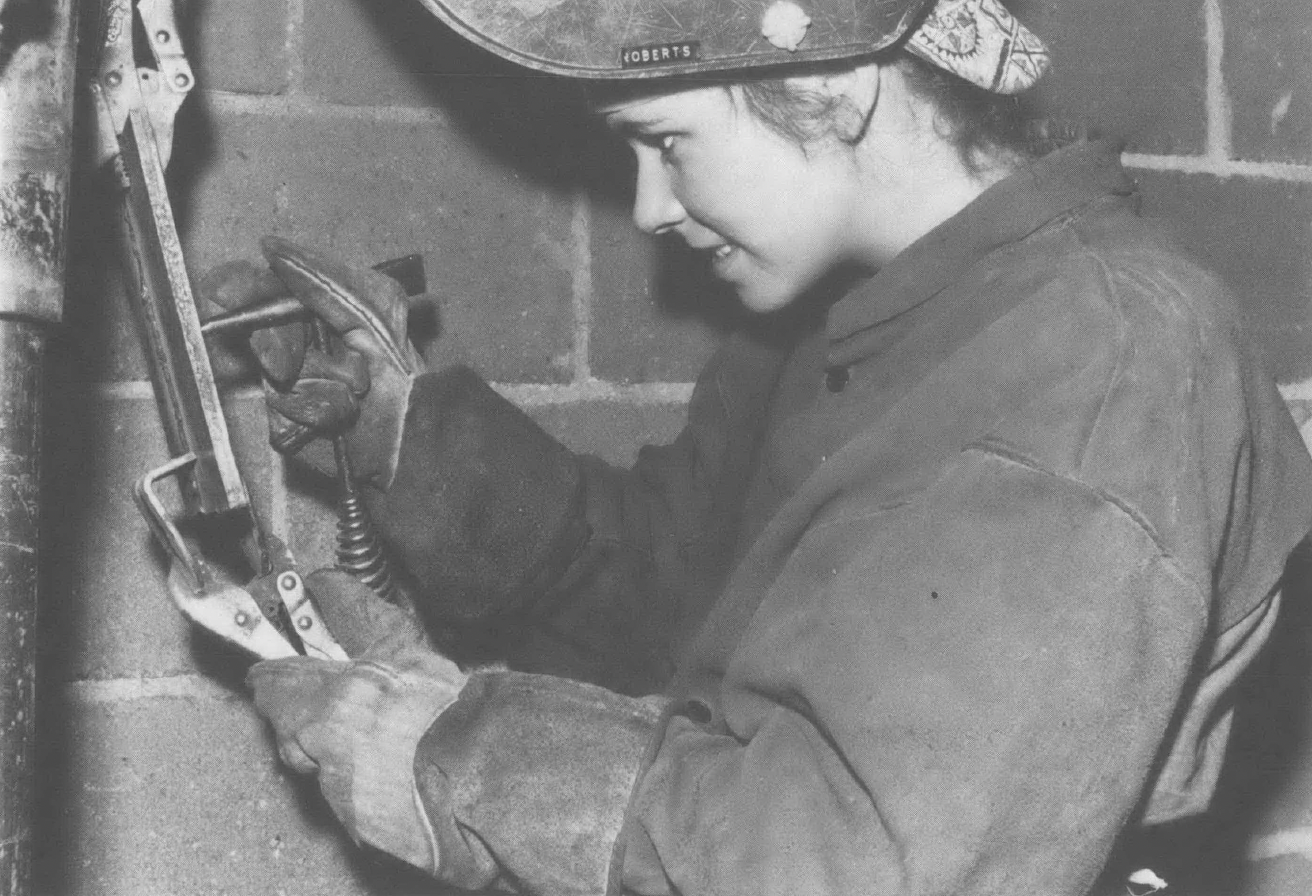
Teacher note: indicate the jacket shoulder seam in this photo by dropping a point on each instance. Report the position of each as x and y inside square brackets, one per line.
[1114, 307]
[1009, 454]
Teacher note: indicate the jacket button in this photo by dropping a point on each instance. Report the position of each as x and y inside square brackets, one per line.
[836, 378]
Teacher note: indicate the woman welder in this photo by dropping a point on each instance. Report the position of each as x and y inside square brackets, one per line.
[939, 596]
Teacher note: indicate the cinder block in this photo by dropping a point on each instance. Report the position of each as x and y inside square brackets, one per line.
[240, 46]
[384, 54]
[400, 55]
[1257, 235]
[497, 247]
[656, 312]
[185, 796]
[611, 430]
[105, 610]
[1126, 68]
[1268, 67]
[311, 516]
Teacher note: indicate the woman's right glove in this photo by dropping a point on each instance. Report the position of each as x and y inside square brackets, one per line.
[357, 724]
[495, 779]
[358, 386]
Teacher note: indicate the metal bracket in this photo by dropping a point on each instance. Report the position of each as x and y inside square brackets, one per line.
[184, 381]
[135, 112]
[162, 31]
[161, 523]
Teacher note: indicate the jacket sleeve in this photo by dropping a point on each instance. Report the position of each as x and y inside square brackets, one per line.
[560, 563]
[967, 693]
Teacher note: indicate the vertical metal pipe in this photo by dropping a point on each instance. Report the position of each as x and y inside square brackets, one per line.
[21, 348]
[37, 65]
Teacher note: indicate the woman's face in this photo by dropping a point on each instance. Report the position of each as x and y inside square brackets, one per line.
[771, 217]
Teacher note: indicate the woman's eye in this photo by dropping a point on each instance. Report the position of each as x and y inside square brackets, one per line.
[665, 143]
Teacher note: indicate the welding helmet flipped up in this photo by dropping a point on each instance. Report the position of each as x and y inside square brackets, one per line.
[631, 39]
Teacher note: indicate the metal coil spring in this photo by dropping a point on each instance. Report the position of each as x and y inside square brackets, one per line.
[359, 551]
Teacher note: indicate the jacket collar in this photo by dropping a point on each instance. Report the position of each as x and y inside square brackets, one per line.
[1005, 213]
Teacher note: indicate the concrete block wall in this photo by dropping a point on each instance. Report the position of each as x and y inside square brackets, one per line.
[367, 130]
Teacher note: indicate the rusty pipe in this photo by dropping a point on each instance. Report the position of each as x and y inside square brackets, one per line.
[37, 65]
[21, 347]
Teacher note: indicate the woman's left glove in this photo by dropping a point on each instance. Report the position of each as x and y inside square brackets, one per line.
[357, 724]
[360, 388]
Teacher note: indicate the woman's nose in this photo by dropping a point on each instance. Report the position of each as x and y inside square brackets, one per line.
[655, 208]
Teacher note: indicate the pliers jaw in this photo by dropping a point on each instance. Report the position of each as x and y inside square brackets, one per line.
[228, 611]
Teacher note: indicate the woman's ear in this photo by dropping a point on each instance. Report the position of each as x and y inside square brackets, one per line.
[859, 88]
[861, 84]
[854, 91]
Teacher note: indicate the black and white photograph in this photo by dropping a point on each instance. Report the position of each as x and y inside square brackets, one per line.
[655, 447]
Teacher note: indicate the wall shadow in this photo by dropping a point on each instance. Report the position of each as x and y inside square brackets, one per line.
[1269, 745]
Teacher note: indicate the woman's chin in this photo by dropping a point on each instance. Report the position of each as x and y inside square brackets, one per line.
[765, 298]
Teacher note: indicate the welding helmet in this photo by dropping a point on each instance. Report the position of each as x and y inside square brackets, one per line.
[632, 39]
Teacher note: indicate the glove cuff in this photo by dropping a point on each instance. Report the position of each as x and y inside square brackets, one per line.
[486, 510]
[374, 443]
[528, 777]
[387, 811]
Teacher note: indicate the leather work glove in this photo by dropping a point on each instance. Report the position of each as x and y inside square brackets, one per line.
[358, 724]
[496, 780]
[358, 385]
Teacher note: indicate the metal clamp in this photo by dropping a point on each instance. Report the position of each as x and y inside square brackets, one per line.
[121, 86]
[230, 613]
[228, 610]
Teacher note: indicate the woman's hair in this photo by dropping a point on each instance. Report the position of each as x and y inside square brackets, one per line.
[979, 124]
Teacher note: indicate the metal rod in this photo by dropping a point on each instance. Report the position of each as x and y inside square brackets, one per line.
[37, 66]
[408, 270]
[258, 317]
[359, 551]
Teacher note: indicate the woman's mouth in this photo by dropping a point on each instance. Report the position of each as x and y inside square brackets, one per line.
[721, 256]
